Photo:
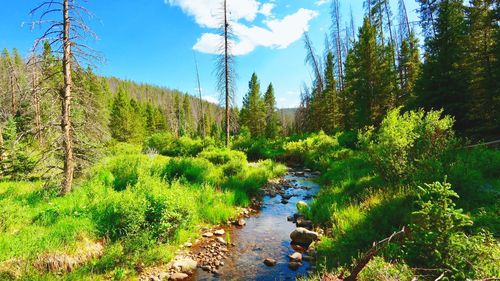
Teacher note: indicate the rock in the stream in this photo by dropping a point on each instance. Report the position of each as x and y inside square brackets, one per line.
[219, 232]
[284, 201]
[286, 196]
[304, 223]
[240, 222]
[299, 174]
[293, 265]
[303, 236]
[185, 265]
[295, 257]
[298, 216]
[207, 234]
[290, 218]
[270, 262]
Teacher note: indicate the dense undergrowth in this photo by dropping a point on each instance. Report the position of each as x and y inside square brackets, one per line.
[412, 172]
[141, 206]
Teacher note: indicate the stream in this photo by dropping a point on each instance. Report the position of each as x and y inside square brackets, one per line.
[266, 235]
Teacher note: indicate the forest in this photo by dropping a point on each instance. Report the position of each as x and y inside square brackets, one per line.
[389, 168]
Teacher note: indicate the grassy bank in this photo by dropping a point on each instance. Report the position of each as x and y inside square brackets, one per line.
[139, 206]
[412, 172]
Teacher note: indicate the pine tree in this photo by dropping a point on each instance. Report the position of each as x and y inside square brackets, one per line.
[252, 113]
[272, 121]
[127, 121]
[371, 84]
[332, 101]
[482, 65]
[409, 69]
[444, 83]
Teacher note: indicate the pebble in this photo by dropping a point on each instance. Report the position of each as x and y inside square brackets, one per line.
[178, 276]
[294, 265]
[219, 232]
[296, 257]
[270, 262]
[208, 234]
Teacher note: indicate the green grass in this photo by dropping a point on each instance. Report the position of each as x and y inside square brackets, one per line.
[142, 206]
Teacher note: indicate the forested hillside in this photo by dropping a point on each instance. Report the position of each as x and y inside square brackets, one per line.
[388, 170]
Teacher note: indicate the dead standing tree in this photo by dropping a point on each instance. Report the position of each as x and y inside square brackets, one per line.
[65, 34]
[225, 70]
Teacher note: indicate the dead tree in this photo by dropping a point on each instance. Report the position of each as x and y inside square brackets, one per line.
[203, 130]
[65, 34]
[336, 34]
[35, 94]
[313, 60]
[374, 250]
[225, 70]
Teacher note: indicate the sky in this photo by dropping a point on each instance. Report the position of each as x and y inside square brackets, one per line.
[155, 41]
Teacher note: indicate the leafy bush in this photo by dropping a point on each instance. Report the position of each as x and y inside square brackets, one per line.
[222, 156]
[316, 151]
[435, 228]
[163, 217]
[379, 269]
[408, 142]
[120, 214]
[258, 148]
[166, 144]
[120, 171]
[194, 170]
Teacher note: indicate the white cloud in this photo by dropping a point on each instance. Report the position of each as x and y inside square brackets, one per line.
[207, 13]
[266, 9]
[321, 2]
[210, 99]
[269, 32]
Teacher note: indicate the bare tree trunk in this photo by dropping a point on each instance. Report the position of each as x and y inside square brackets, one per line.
[13, 92]
[2, 149]
[394, 45]
[36, 104]
[69, 161]
[226, 65]
[339, 50]
[203, 130]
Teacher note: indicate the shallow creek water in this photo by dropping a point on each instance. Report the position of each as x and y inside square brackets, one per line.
[266, 235]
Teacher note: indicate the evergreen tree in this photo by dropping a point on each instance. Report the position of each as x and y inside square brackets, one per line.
[444, 81]
[126, 120]
[272, 121]
[252, 113]
[409, 69]
[482, 65]
[370, 78]
[332, 101]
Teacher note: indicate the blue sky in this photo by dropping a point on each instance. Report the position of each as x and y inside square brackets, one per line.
[153, 41]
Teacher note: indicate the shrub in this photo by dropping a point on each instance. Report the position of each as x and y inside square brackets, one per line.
[124, 171]
[222, 156]
[194, 170]
[163, 217]
[407, 142]
[434, 225]
[166, 144]
[120, 214]
[379, 269]
[316, 151]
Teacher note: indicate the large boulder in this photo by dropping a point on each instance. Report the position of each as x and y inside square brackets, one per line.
[303, 236]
